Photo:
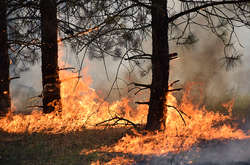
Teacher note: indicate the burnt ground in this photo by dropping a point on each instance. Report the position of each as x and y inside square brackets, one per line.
[73, 149]
[215, 152]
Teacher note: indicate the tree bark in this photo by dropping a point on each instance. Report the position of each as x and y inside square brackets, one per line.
[4, 62]
[160, 66]
[49, 48]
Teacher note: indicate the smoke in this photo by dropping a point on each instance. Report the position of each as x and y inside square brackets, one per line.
[203, 63]
[233, 152]
[25, 89]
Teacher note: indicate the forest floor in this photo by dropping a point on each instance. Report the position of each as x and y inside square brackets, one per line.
[59, 149]
[82, 148]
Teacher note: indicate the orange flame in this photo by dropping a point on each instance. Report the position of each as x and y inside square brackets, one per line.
[82, 108]
[200, 125]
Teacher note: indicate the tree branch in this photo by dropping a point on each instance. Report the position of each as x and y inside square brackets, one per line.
[68, 68]
[212, 3]
[173, 56]
[142, 56]
[142, 4]
[142, 103]
[139, 90]
[142, 85]
[171, 84]
[179, 112]
[13, 78]
[173, 90]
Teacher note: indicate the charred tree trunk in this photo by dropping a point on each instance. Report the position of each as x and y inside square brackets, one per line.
[50, 75]
[160, 66]
[4, 61]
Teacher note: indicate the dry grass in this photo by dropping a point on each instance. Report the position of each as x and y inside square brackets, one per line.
[74, 148]
[241, 107]
[60, 149]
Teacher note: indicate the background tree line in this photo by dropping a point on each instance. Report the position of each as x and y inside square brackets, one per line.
[116, 28]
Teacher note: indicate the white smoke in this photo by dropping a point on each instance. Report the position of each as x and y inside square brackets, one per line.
[25, 89]
[234, 152]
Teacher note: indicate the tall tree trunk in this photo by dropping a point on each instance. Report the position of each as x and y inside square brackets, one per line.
[4, 61]
[160, 66]
[50, 75]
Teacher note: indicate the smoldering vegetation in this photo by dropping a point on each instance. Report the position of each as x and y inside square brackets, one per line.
[202, 66]
[216, 152]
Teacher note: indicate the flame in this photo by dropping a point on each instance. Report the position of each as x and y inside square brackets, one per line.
[186, 123]
[82, 108]
[200, 124]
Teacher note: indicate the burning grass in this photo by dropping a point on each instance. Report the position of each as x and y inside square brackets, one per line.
[69, 136]
[200, 126]
[66, 136]
[81, 108]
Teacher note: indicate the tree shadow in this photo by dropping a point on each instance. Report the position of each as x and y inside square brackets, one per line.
[214, 152]
[54, 149]
[85, 147]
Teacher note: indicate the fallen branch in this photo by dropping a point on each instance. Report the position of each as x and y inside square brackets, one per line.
[116, 122]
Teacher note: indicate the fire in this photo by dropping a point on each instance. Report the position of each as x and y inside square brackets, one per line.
[186, 123]
[199, 124]
[82, 108]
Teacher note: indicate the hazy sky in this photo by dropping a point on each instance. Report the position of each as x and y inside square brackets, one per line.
[30, 81]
